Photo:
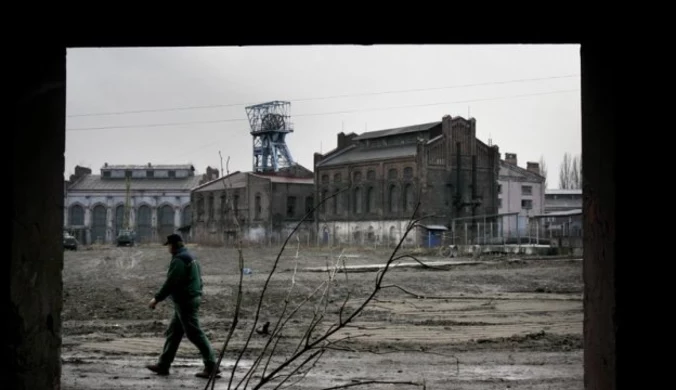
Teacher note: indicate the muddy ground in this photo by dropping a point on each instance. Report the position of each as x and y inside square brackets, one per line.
[500, 323]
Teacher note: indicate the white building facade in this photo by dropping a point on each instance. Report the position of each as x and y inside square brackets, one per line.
[159, 202]
[521, 191]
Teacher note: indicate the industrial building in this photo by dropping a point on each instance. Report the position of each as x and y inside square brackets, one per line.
[152, 200]
[382, 175]
[521, 195]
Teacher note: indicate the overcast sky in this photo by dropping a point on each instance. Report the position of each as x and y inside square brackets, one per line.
[331, 89]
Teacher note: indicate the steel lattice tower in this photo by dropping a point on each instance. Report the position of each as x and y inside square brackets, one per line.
[270, 123]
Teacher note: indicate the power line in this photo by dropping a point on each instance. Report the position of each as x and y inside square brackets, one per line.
[318, 98]
[316, 114]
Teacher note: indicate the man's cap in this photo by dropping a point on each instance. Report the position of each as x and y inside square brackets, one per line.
[173, 239]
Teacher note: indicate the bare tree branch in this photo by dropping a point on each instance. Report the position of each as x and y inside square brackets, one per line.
[374, 382]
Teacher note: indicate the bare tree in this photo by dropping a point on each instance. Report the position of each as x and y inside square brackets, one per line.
[570, 172]
[543, 169]
[317, 338]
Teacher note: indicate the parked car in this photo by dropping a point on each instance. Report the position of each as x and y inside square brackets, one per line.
[69, 242]
[126, 238]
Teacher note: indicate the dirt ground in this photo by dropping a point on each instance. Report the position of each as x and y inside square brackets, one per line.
[498, 323]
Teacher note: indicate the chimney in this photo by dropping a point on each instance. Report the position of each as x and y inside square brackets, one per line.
[345, 140]
[510, 158]
[533, 167]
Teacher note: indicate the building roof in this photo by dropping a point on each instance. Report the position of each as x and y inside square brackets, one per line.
[557, 191]
[286, 179]
[133, 166]
[567, 213]
[367, 154]
[238, 180]
[397, 131]
[96, 183]
[524, 173]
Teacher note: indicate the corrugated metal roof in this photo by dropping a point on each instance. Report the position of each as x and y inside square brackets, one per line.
[367, 154]
[132, 166]
[95, 183]
[557, 191]
[397, 131]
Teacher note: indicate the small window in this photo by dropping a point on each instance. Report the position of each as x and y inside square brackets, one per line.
[526, 190]
[337, 178]
[259, 207]
[106, 174]
[235, 204]
[408, 173]
[499, 188]
[499, 203]
[127, 174]
[371, 175]
[356, 177]
[150, 173]
[325, 179]
[172, 174]
[526, 204]
[392, 174]
[290, 206]
[309, 204]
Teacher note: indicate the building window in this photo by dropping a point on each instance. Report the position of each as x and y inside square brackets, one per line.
[325, 196]
[309, 204]
[211, 207]
[499, 203]
[290, 206]
[526, 190]
[337, 178]
[77, 216]
[235, 205]
[172, 174]
[393, 199]
[371, 175]
[449, 194]
[499, 188]
[408, 173]
[408, 198]
[150, 173]
[259, 207]
[357, 200]
[224, 205]
[527, 204]
[334, 203]
[356, 177]
[325, 179]
[392, 174]
[127, 174]
[371, 200]
[200, 209]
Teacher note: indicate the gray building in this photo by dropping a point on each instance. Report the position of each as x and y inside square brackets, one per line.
[266, 206]
[563, 200]
[521, 191]
[159, 201]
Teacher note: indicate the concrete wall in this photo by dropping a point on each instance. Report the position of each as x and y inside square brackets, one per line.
[365, 233]
[512, 196]
[33, 288]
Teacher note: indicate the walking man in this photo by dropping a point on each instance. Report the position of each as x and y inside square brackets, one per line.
[184, 286]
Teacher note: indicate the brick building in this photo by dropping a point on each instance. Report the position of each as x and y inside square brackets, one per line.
[267, 206]
[159, 201]
[441, 164]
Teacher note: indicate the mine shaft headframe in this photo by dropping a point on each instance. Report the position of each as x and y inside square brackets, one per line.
[270, 117]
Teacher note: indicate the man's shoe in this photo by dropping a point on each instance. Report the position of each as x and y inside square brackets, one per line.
[159, 370]
[206, 373]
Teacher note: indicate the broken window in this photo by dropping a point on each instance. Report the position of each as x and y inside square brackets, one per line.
[259, 207]
[526, 203]
[392, 174]
[290, 206]
[526, 190]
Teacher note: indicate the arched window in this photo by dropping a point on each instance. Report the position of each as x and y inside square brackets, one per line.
[408, 198]
[76, 215]
[392, 174]
[370, 200]
[357, 200]
[393, 199]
